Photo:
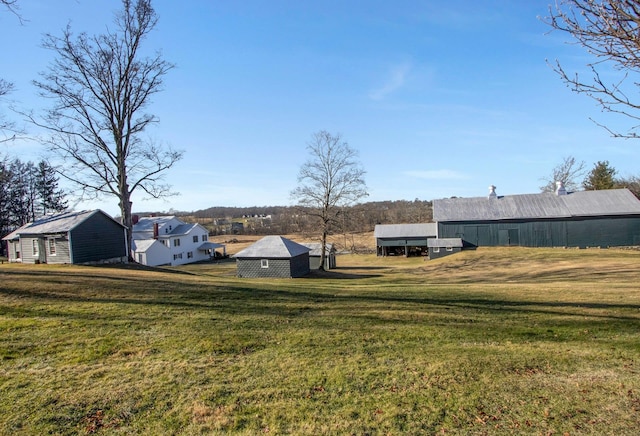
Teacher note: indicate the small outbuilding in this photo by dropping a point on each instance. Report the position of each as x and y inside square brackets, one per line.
[316, 251]
[273, 256]
[443, 247]
[71, 237]
[403, 239]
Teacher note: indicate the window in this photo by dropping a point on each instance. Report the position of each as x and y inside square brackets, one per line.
[177, 256]
[264, 263]
[195, 238]
[436, 249]
[176, 242]
[190, 254]
[34, 245]
[52, 246]
[140, 258]
[205, 238]
[449, 248]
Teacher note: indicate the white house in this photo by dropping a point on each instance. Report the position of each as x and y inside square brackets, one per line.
[166, 240]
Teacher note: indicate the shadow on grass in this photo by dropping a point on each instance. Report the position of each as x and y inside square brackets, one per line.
[259, 299]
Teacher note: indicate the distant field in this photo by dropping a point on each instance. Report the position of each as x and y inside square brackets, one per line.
[491, 341]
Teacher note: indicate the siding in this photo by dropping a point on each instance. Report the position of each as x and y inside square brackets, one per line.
[97, 238]
[294, 267]
[572, 232]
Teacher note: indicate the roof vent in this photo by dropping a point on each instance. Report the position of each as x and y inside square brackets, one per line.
[560, 189]
[492, 192]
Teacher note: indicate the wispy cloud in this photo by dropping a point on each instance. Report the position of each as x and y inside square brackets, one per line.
[437, 175]
[396, 80]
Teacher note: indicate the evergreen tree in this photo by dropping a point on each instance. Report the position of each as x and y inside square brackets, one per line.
[602, 176]
[50, 198]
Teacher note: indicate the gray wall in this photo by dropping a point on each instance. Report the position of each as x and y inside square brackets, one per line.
[584, 232]
[294, 267]
[97, 238]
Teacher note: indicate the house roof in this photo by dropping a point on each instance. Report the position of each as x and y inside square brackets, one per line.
[531, 206]
[142, 245]
[182, 229]
[273, 247]
[59, 223]
[145, 224]
[210, 246]
[316, 248]
[405, 230]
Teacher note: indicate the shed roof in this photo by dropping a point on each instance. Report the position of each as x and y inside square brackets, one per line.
[316, 248]
[59, 223]
[273, 247]
[445, 242]
[405, 230]
[536, 206]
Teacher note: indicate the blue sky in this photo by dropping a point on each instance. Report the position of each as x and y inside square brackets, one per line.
[440, 98]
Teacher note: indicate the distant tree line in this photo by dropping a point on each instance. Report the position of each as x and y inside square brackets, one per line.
[601, 176]
[27, 191]
[290, 219]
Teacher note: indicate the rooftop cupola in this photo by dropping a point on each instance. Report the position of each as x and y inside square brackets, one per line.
[492, 192]
[560, 189]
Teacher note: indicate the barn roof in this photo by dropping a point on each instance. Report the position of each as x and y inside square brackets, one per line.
[405, 230]
[59, 223]
[273, 247]
[536, 206]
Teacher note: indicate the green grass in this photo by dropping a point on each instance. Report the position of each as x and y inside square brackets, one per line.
[494, 341]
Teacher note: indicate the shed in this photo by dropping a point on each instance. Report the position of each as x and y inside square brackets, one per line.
[314, 255]
[273, 256]
[403, 239]
[604, 218]
[443, 247]
[70, 237]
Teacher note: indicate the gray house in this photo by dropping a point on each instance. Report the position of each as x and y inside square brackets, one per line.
[605, 218]
[273, 256]
[72, 237]
[403, 239]
[314, 255]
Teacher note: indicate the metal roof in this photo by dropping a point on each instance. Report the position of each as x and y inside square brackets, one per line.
[405, 230]
[316, 248]
[273, 247]
[535, 206]
[142, 245]
[60, 223]
[445, 242]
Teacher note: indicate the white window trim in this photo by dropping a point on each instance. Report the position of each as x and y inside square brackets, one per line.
[34, 246]
[55, 248]
[264, 263]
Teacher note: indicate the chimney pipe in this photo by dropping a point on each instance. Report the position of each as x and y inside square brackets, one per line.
[560, 189]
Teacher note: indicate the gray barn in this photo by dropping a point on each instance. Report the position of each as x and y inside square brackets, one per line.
[273, 256]
[605, 218]
[403, 239]
[72, 237]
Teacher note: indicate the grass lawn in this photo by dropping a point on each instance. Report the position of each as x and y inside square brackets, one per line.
[492, 341]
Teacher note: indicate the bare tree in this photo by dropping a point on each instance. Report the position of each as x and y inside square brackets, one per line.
[330, 179]
[101, 86]
[608, 30]
[568, 172]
